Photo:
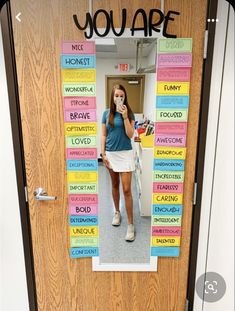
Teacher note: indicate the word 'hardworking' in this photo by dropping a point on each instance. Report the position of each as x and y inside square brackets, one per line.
[151, 23]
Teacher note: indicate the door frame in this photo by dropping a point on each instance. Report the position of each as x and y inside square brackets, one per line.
[15, 116]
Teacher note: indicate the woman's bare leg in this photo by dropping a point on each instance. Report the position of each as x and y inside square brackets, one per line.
[115, 188]
[126, 186]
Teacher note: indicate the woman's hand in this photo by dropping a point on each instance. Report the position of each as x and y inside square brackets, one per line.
[123, 111]
[105, 160]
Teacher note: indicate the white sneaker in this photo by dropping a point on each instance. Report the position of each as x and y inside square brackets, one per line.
[116, 219]
[130, 235]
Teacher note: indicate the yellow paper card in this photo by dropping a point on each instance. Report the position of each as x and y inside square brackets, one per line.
[85, 128]
[172, 88]
[84, 231]
[166, 241]
[169, 153]
[78, 75]
[167, 198]
[83, 177]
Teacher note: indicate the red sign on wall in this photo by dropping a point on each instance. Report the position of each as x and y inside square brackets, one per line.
[124, 67]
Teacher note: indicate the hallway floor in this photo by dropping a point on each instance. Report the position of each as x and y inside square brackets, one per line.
[113, 247]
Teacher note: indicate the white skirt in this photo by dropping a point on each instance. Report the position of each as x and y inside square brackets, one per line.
[121, 161]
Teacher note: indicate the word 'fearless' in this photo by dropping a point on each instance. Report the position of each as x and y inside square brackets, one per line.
[150, 24]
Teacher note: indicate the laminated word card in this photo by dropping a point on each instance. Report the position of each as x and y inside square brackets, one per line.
[174, 61]
[78, 63]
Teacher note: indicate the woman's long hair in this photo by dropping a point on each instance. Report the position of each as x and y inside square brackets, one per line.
[113, 106]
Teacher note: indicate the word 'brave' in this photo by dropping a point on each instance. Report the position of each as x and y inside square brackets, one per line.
[151, 23]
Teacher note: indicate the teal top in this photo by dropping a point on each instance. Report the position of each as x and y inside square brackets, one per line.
[116, 139]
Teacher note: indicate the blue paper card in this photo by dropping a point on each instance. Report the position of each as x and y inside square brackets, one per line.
[168, 209]
[84, 252]
[78, 61]
[83, 220]
[82, 165]
[171, 251]
[168, 165]
[172, 101]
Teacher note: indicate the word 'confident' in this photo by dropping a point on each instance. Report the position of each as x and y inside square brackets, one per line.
[150, 23]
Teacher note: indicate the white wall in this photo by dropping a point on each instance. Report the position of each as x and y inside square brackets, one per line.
[13, 289]
[150, 88]
[217, 215]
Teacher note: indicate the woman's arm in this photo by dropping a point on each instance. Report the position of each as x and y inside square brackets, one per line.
[103, 138]
[103, 141]
[129, 125]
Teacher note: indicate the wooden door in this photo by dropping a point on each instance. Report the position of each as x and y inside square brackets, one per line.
[135, 91]
[62, 283]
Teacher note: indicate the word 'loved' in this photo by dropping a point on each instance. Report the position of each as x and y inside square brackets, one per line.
[150, 23]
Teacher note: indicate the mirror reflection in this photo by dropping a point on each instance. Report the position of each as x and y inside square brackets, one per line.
[126, 98]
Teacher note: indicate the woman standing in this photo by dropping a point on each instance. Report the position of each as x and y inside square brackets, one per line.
[117, 154]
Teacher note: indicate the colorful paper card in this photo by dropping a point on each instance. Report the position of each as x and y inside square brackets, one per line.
[78, 61]
[83, 177]
[166, 231]
[84, 241]
[73, 47]
[168, 176]
[82, 165]
[78, 75]
[168, 187]
[172, 88]
[167, 198]
[81, 153]
[166, 241]
[169, 153]
[172, 101]
[79, 102]
[161, 209]
[163, 251]
[84, 231]
[170, 140]
[83, 209]
[82, 188]
[88, 128]
[80, 116]
[83, 220]
[168, 165]
[175, 60]
[170, 128]
[79, 89]
[166, 220]
[80, 141]
[84, 252]
[173, 74]
[83, 199]
[172, 115]
[177, 45]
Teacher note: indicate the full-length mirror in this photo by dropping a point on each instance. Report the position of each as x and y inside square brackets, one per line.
[126, 88]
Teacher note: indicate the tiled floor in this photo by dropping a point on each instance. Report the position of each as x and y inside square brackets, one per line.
[113, 247]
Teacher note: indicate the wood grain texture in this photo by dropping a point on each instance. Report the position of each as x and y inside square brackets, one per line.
[62, 283]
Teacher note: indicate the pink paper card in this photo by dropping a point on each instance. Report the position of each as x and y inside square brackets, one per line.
[170, 128]
[83, 209]
[76, 47]
[83, 199]
[79, 103]
[166, 231]
[168, 187]
[80, 116]
[175, 60]
[170, 140]
[81, 153]
[173, 74]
